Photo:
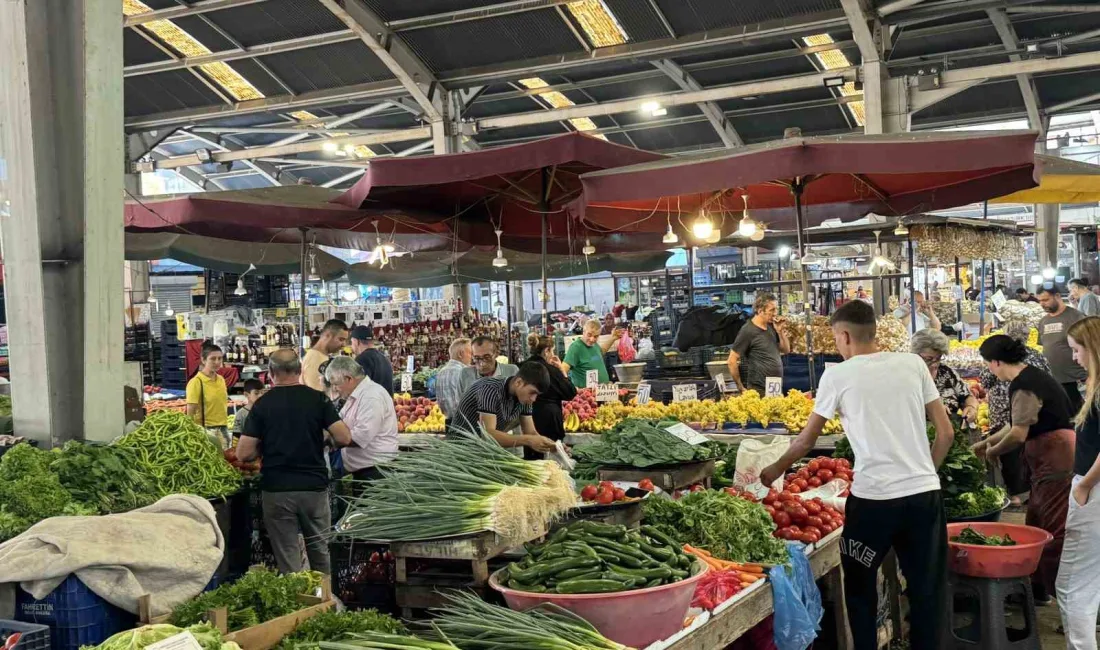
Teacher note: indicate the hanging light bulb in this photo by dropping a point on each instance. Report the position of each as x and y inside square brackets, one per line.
[1049, 273]
[169, 311]
[313, 277]
[381, 252]
[240, 290]
[498, 304]
[747, 227]
[588, 249]
[499, 261]
[715, 236]
[880, 263]
[702, 227]
[670, 237]
[901, 230]
[784, 251]
[758, 235]
[350, 295]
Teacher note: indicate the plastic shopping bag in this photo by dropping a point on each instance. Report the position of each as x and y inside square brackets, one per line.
[753, 455]
[829, 493]
[626, 348]
[798, 609]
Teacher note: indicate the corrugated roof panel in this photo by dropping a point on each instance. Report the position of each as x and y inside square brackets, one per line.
[1054, 26]
[770, 126]
[395, 120]
[258, 77]
[328, 66]
[740, 73]
[400, 9]
[276, 20]
[204, 33]
[988, 99]
[638, 117]
[690, 16]
[950, 39]
[639, 19]
[776, 99]
[481, 42]
[136, 50]
[165, 91]
[529, 131]
[487, 106]
[693, 134]
[161, 4]
[1064, 87]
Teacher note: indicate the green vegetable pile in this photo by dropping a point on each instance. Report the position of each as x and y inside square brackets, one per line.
[971, 536]
[207, 636]
[31, 492]
[725, 467]
[641, 443]
[103, 477]
[259, 596]
[337, 626]
[5, 405]
[178, 456]
[730, 527]
[588, 557]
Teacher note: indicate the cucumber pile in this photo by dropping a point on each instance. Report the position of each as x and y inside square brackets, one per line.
[588, 557]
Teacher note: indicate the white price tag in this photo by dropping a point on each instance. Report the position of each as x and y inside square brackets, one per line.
[685, 392]
[773, 387]
[687, 434]
[406, 382]
[607, 393]
[644, 389]
[999, 300]
[720, 381]
[410, 364]
[592, 379]
[181, 641]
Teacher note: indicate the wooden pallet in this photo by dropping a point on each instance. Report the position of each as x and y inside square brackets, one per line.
[669, 478]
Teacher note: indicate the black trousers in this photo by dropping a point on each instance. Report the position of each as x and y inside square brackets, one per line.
[916, 528]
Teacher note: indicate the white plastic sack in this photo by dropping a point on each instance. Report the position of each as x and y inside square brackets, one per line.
[829, 493]
[753, 455]
[645, 350]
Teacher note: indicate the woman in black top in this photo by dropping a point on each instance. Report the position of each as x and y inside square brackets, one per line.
[547, 410]
[1078, 588]
[1040, 421]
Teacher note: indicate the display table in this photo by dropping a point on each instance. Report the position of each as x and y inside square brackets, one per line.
[825, 444]
[730, 624]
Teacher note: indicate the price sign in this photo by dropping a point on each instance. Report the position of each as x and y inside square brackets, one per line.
[685, 392]
[406, 382]
[720, 381]
[410, 364]
[687, 434]
[999, 300]
[181, 641]
[644, 390]
[773, 387]
[607, 393]
[592, 379]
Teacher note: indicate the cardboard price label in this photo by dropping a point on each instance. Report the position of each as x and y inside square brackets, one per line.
[410, 364]
[607, 393]
[773, 387]
[592, 379]
[685, 392]
[181, 641]
[999, 300]
[406, 382]
[720, 382]
[644, 389]
[687, 434]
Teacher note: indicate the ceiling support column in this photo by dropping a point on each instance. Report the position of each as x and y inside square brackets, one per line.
[447, 131]
[61, 114]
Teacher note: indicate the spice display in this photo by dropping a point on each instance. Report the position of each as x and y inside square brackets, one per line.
[890, 335]
[945, 243]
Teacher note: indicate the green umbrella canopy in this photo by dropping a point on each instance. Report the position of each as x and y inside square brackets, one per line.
[229, 256]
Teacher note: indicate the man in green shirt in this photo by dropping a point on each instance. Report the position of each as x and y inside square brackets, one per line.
[587, 354]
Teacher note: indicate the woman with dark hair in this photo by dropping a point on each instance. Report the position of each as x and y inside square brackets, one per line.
[547, 410]
[207, 396]
[1039, 419]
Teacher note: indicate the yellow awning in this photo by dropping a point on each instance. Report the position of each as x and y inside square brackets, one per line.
[1062, 181]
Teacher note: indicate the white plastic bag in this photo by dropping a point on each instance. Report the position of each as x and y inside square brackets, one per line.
[753, 456]
[829, 493]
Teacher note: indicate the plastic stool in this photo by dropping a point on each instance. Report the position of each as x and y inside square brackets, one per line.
[989, 628]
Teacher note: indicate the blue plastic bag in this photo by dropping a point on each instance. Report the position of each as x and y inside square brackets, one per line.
[798, 609]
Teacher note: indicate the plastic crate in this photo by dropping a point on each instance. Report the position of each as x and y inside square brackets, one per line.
[358, 582]
[33, 637]
[75, 615]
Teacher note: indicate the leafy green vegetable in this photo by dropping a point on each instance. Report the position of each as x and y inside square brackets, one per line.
[972, 504]
[207, 636]
[970, 536]
[641, 443]
[729, 527]
[103, 477]
[5, 405]
[843, 449]
[24, 459]
[260, 595]
[336, 626]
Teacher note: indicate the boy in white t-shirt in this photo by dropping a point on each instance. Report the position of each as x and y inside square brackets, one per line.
[883, 399]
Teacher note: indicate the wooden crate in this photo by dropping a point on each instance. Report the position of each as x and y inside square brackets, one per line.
[669, 478]
[627, 514]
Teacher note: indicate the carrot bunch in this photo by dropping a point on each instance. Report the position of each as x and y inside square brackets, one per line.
[746, 573]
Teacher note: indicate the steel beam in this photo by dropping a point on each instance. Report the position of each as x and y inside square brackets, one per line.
[272, 173]
[1055, 9]
[1007, 35]
[711, 110]
[339, 121]
[192, 174]
[858, 16]
[896, 6]
[477, 13]
[1029, 66]
[922, 99]
[948, 8]
[1073, 103]
[815, 80]
[416, 77]
[251, 153]
[277, 47]
[200, 7]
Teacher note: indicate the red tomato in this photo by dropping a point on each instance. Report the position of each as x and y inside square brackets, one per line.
[782, 519]
[802, 474]
[843, 462]
[825, 475]
[847, 476]
[748, 497]
[770, 499]
[645, 484]
[799, 516]
[811, 537]
[589, 492]
[607, 484]
[826, 529]
[812, 529]
[794, 489]
[605, 497]
[794, 530]
[814, 482]
[814, 465]
[802, 484]
[812, 507]
[731, 491]
[829, 464]
[619, 494]
[786, 495]
[814, 521]
[698, 487]
[771, 511]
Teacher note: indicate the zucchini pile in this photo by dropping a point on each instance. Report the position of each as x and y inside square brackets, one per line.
[588, 557]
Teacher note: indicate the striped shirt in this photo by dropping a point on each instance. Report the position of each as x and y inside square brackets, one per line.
[448, 387]
[489, 395]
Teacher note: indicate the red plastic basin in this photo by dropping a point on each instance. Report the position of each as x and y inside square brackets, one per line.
[997, 561]
[634, 618]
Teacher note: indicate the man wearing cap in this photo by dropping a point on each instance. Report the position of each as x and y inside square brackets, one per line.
[375, 364]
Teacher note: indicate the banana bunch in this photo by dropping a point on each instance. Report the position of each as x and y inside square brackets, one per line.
[434, 422]
[572, 422]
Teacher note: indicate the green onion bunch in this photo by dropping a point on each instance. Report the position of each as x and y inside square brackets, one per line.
[458, 486]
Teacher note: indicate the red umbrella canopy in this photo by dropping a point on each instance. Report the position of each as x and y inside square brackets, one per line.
[508, 186]
[842, 177]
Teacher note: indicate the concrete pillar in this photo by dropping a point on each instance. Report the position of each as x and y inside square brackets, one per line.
[60, 134]
[885, 100]
[1046, 237]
